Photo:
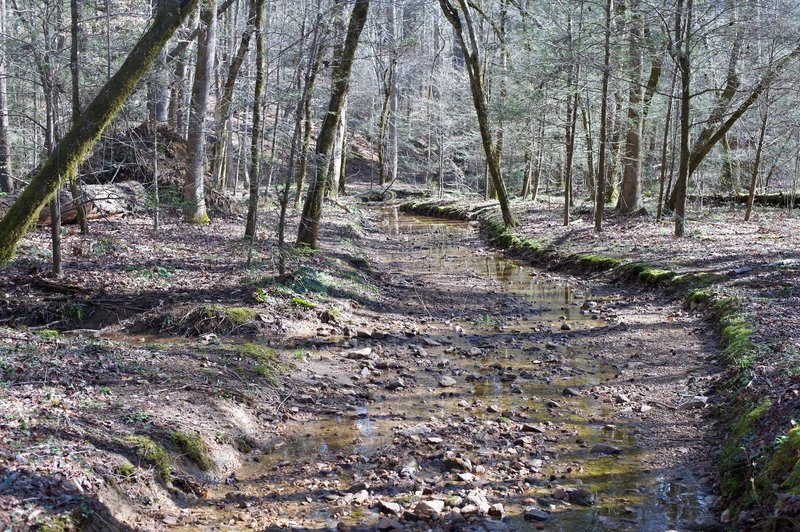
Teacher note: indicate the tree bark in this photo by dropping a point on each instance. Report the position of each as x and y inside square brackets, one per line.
[223, 112]
[684, 64]
[194, 210]
[312, 207]
[75, 32]
[751, 194]
[600, 197]
[255, 139]
[473, 65]
[75, 145]
[6, 181]
[630, 199]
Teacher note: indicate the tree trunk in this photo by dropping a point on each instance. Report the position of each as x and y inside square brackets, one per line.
[75, 145]
[255, 139]
[194, 210]
[312, 207]
[473, 65]
[223, 111]
[684, 64]
[6, 181]
[75, 30]
[664, 142]
[757, 163]
[308, 125]
[600, 197]
[630, 199]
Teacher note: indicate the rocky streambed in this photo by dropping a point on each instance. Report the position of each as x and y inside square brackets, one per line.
[480, 394]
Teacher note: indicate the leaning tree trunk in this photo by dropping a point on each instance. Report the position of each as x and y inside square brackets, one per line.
[75, 145]
[194, 195]
[223, 113]
[312, 207]
[751, 193]
[473, 65]
[255, 139]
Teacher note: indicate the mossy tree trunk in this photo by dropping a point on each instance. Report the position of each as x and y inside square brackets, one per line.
[255, 139]
[74, 147]
[474, 71]
[194, 194]
[312, 207]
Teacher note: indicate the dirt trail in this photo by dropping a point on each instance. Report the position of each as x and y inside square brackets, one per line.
[482, 394]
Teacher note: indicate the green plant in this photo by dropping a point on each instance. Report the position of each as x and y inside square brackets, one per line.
[137, 417]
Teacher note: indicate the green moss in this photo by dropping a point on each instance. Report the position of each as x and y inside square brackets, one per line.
[697, 280]
[735, 457]
[648, 273]
[235, 315]
[782, 471]
[595, 262]
[260, 352]
[125, 470]
[736, 332]
[151, 452]
[699, 296]
[194, 447]
[302, 302]
[47, 333]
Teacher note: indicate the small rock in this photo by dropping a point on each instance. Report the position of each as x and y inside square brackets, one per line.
[475, 352]
[428, 509]
[466, 477]
[396, 384]
[699, 401]
[479, 500]
[645, 408]
[604, 448]
[497, 511]
[446, 382]
[435, 440]
[581, 497]
[570, 392]
[621, 398]
[726, 516]
[535, 514]
[430, 342]
[453, 463]
[493, 409]
[566, 326]
[361, 497]
[391, 508]
[363, 333]
[389, 524]
[527, 427]
[359, 354]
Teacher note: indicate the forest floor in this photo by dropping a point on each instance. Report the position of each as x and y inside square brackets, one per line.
[404, 376]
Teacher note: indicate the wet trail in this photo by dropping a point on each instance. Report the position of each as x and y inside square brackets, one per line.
[481, 383]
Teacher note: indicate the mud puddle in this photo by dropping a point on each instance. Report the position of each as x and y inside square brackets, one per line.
[518, 403]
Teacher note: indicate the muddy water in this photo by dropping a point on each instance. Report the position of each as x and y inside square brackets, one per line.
[518, 331]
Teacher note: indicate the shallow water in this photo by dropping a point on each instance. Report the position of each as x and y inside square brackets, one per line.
[630, 497]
